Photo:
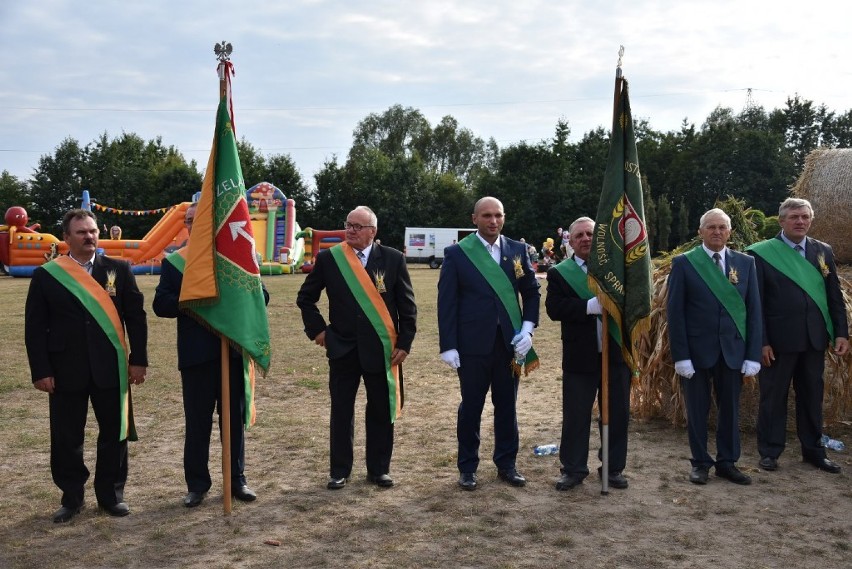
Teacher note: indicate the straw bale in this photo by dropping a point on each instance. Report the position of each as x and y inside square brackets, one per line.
[826, 182]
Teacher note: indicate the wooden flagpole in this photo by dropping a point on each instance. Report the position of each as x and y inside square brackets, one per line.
[223, 52]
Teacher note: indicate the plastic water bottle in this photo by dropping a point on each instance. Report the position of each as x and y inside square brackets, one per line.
[544, 450]
[832, 444]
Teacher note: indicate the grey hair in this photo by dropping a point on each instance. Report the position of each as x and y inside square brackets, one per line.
[580, 220]
[714, 211]
[794, 203]
[374, 221]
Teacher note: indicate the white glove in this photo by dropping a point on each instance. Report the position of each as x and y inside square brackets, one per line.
[684, 368]
[451, 358]
[522, 343]
[593, 306]
[750, 368]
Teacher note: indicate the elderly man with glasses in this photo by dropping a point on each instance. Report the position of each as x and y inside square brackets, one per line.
[371, 325]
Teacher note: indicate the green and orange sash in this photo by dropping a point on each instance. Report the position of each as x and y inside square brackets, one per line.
[799, 270]
[178, 261]
[99, 304]
[722, 288]
[499, 281]
[374, 307]
[578, 280]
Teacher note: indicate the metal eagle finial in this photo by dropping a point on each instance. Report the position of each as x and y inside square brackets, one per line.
[223, 51]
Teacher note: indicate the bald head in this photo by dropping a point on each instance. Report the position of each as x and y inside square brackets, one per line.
[488, 217]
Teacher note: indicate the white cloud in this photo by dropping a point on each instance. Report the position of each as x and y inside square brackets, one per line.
[308, 71]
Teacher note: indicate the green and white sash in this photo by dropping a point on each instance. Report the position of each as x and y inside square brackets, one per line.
[499, 281]
[721, 287]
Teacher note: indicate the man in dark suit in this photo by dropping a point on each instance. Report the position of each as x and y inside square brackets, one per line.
[77, 311]
[200, 365]
[715, 333]
[485, 335]
[372, 322]
[570, 301]
[803, 310]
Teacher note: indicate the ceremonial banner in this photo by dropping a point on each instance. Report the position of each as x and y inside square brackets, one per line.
[221, 282]
[620, 261]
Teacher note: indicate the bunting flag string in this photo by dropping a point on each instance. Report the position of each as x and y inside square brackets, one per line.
[132, 212]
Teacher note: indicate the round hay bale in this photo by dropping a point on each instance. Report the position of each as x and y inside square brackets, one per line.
[826, 182]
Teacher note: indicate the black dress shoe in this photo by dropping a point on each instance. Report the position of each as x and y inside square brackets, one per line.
[64, 514]
[467, 480]
[118, 510]
[382, 480]
[825, 464]
[512, 476]
[618, 481]
[733, 474]
[243, 493]
[568, 481]
[768, 463]
[193, 499]
[336, 483]
[699, 475]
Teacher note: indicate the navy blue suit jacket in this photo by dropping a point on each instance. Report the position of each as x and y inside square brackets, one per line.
[700, 329]
[469, 310]
[792, 321]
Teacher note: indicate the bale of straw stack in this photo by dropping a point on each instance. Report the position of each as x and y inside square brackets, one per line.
[826, 182]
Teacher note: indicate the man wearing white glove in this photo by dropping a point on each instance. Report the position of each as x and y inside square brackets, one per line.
[486, 335]
[570, 302]
[716, 335]
[804, 315]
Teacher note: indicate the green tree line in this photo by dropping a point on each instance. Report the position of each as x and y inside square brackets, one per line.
[413, 173]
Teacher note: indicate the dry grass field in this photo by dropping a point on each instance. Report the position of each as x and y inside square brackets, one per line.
[795, 517]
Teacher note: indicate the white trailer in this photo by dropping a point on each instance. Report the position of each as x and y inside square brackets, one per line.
[427, 244]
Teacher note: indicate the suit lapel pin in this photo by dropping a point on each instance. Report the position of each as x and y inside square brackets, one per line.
[110, 283]
[380, 281]
[822, 265]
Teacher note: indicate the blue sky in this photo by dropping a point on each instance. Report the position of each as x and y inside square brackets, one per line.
[308, 70]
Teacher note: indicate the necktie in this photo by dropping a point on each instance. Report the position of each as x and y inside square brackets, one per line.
[362, 258]
[717, 258]
[88, 267]
[800, 250]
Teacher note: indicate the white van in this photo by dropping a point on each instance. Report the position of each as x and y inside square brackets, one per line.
[427, 244]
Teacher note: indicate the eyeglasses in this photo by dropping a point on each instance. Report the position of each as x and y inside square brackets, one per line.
[355, 226]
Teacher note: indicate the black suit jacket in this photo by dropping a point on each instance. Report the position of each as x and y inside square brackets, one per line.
[65, 342]
[791, 320]
[348, 327]
[579, 330]
[195, 343]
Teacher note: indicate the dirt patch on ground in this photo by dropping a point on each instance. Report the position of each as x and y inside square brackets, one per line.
[795, 517]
